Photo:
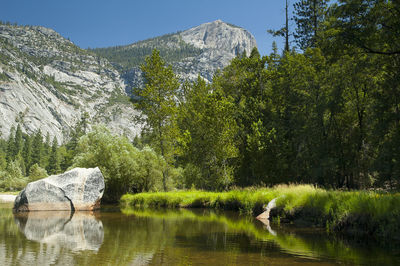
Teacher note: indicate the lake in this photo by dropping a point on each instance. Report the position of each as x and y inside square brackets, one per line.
[172, 237]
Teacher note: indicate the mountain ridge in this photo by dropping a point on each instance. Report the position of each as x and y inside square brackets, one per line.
[48, 82]
[203, 50]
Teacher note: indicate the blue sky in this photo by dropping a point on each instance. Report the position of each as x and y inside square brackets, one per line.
[98, 23]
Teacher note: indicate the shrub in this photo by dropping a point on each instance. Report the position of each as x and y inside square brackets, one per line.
[36, 172]
[12, 179]
[125, 168]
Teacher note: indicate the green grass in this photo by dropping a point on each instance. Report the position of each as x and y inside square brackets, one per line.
[357, 213]
[9, 192]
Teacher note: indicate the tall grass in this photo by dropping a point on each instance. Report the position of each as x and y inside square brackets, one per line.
[360, 213]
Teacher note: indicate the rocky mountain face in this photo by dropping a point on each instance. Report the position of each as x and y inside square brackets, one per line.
[200, 50]
[47, 82]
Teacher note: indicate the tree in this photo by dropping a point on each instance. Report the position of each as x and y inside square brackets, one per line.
[11, 145]
[53, 166]
[27, 152]
[245, 82]
[38, 149]
[371, 25]
[208, 135]
[80, 129]
[18, 141]
[158, 103]
[309, 16]
[284, 31]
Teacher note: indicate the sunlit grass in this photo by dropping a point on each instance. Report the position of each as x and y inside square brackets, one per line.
[354, 212]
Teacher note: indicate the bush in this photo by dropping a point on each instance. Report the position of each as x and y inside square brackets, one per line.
[12, 179]
[36, 172]
[125, 168]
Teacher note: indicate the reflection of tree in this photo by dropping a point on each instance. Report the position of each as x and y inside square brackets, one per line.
[309, 242]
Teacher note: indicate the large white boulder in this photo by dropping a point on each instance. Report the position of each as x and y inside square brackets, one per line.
[77, 189]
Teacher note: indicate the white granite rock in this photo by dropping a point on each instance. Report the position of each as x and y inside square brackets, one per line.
[75, 190]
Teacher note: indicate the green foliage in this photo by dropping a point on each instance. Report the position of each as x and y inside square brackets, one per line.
[12, 179]
[38, 149]
[207, 138]
[54, 159]
[357, 212]
[36, 172]
[309, 16]
[157, 101]
[115, 158]
[125, 168]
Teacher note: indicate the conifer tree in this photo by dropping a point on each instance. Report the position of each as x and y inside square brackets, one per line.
[37, 149]
[309, 15]
[27, 152]
[54, 160]
[10, 145]
[18, 141]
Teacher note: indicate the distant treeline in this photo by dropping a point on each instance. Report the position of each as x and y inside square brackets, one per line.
[25, 158]
[171, 48]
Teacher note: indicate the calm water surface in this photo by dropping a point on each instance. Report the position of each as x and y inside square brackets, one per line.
[181, 237]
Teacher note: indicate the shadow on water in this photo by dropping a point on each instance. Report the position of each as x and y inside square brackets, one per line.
[170, 237]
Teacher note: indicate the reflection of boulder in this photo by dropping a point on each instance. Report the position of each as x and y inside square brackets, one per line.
[78, 189]
[75, 231]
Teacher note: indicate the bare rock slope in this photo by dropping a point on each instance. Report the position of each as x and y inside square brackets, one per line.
[47, 82]
[201, 50]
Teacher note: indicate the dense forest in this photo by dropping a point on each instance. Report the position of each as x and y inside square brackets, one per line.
[324, 111]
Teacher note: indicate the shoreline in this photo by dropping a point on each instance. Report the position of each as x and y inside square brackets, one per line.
[7, 198]
[357, 214]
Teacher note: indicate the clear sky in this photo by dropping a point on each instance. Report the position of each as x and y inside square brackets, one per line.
[100, 23]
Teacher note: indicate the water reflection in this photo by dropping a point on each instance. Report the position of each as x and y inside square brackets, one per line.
[75, 231]
[180, 237]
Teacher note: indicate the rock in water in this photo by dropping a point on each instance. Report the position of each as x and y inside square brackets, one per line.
[265, 214]
[77, 189]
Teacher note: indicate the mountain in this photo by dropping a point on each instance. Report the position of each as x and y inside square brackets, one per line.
[200, 50]
[47, 82]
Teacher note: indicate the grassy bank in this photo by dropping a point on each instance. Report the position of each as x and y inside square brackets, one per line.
[358, 213]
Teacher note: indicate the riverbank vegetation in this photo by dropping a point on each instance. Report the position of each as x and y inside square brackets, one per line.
[357, 213]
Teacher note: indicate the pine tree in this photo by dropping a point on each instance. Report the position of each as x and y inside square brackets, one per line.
[11, 145]
[157, 101]
[38, 149]
[284, 31]
[27, 152]
[54, 160]
[309, 15]
[18, 141]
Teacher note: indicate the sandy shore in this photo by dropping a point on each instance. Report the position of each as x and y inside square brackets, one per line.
[7, 198]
